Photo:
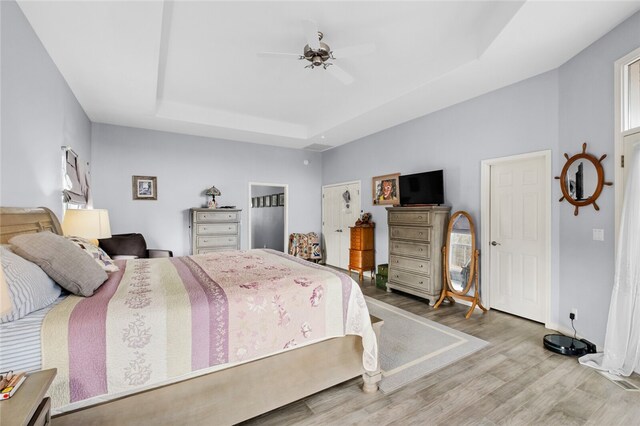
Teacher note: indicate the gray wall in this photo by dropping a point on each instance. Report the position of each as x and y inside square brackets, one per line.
[185, 167]
[39, 114]
[267, 223]
[557, 110]
[587, 115]
[513, 120]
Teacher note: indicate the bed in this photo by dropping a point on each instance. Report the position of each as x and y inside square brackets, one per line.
[224, 389]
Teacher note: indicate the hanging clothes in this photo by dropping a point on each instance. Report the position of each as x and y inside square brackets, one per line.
[622, 342]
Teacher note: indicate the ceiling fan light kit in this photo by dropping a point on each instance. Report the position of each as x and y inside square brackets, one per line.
[318, 53]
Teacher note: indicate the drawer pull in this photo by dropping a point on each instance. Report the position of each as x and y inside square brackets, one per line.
[419, 217]
[420, 249]
[420, 233]
[397, 261]
[421, 266]
[420, 282]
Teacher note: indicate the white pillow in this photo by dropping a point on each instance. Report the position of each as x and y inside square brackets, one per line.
[29, 287]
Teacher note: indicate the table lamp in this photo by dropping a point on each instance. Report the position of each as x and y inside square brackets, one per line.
[89, 224]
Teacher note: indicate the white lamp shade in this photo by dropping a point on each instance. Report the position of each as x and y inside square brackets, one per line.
[5, 299]
[90, 224]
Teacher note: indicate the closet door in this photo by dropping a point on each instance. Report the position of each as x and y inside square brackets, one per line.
[339, 211]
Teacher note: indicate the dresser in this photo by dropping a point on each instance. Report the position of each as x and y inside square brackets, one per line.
[215, 230]
[416, 237]
[361, 252]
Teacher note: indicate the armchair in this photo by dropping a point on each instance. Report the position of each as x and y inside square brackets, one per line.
[130, 245]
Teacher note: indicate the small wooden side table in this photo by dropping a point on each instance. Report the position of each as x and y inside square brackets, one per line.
[28, 406]
[361, 252]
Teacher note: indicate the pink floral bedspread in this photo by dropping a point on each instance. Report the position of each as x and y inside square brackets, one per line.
[160, 318]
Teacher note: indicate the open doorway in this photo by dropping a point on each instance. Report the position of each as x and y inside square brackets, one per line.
[268, 214]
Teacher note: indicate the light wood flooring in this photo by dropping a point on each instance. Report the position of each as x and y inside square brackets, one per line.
[512, 381]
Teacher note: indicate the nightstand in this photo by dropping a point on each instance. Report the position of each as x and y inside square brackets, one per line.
[28, 406]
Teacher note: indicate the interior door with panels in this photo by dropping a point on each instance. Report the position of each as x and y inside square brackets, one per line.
[339, 211]
[518, 239]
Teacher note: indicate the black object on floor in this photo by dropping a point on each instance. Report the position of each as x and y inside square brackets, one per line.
[564, 345]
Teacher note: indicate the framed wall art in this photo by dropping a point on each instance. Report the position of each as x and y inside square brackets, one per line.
[144, 187]
[386, 189]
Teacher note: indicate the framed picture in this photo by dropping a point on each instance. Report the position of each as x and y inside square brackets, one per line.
[281, 199]
[386, 189]
[144, 187]
[266, 200]
[274, 200]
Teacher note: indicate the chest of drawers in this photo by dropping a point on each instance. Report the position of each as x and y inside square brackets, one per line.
[361, 250]
[215, 230]
[416, 237]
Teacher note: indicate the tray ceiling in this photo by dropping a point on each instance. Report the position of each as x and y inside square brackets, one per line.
[192, 67]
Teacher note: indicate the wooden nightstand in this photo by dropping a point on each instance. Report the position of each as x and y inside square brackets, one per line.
[361, 252]
[28, 406]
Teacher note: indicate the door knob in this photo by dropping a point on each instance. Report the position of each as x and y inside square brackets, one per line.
[495, 243]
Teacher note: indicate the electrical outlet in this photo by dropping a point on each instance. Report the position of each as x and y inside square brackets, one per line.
[598, 234]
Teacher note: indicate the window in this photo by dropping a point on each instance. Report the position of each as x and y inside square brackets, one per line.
[632, 95]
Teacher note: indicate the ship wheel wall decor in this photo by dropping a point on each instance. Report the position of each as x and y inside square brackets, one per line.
[582, 179]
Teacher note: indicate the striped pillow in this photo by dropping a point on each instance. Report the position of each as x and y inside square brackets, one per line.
[29, 287]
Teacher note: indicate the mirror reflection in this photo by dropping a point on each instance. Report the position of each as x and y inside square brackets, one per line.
[460, 253]
[581, 180]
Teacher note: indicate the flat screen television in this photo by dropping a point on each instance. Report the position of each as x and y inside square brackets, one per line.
[422, 188]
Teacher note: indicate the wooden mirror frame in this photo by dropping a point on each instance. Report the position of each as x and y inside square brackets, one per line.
[448, 291]
[600, 184]
[472, 265]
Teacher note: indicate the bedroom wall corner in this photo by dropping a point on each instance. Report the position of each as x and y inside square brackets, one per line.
[185, 166]
[516, 119]
[38, 114]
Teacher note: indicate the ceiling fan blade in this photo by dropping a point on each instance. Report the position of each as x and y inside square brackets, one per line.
[359, 50]
[279, 55]
[340, 74]
[310, 29]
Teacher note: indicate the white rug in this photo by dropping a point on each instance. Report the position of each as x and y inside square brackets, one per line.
[412, 347]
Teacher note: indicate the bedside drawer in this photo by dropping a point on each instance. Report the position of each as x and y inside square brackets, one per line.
[217, 241]
[411, 233]
[414, 265]
[418, 218]
[217, 228]
[410, 249]
[412, 280]
[216, 216]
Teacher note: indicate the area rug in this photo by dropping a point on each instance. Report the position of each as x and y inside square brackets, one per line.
[411, 347]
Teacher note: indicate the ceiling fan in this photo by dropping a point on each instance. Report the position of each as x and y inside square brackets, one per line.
[319, 54]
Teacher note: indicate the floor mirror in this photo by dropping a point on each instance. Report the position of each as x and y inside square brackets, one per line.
[460, 259]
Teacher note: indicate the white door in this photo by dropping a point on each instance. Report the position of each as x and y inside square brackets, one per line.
[518, 241]
[338, 214]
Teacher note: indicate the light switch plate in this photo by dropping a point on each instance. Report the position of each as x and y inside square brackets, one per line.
[598, 235]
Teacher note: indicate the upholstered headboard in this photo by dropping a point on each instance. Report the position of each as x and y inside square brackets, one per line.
[16, 220]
